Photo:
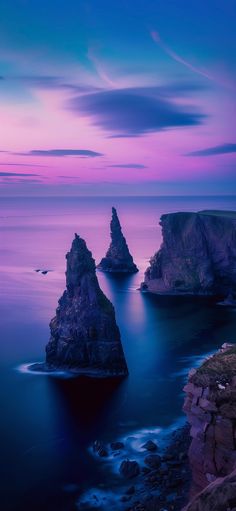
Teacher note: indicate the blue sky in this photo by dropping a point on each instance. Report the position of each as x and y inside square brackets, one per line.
[117, 93]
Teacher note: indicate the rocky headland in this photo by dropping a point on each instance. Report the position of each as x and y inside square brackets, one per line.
[210, 406]
[118, 258]
[197, 255]
[85, 338]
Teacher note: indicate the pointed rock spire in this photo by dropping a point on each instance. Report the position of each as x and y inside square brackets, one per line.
[118, 258]
[84, 335]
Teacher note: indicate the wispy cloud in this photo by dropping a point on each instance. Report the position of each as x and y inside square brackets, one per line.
[127, 166]
[49, 82]
[172, 54]
[91, 54]
[61, 153]
[7, 174]
[211, 151]
[5, 164]
[132, 112]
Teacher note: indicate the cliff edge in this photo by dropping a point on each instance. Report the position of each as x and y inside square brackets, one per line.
[210, 406]
[197, 255]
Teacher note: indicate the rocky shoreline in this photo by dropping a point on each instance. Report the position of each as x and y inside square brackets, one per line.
[156, 478]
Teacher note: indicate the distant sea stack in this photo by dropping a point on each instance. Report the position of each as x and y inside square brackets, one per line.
[210, 405]
[197, 255]
[84, 335]
[118, 258]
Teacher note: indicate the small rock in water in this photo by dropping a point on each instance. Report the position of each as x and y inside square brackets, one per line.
[153, 460]
[150, 446]
[116, 446]
[99, 448]
[129, 469]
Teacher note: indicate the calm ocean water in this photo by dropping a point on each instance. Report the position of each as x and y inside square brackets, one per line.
[48, 425]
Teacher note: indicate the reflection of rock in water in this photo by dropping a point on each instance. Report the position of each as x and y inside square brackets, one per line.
[86, 401]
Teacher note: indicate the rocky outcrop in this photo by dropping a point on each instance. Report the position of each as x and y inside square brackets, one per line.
[218, 496]
[118, 258]
[197, 256]
[84, 335]
[210, 406]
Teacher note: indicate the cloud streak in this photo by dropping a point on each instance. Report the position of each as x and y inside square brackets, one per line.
[211, 151]
[61, 153]
[127, 166]
[7, 174]
[132, 112]
[157, 39]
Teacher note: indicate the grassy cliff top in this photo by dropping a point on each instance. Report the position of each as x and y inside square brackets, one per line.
[220, 368]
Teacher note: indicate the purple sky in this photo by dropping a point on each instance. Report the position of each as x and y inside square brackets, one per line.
[101, 97]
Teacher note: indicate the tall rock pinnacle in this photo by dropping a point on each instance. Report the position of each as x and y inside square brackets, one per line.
[118, 258]
[84, 333]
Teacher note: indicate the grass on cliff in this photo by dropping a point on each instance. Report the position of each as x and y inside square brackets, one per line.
[219, 368]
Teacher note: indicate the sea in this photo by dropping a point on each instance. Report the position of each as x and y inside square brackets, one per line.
[48, 424]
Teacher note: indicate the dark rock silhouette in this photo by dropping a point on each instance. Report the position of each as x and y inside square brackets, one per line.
[84, 335]
[118, 258]
[197, 255]
[129, 469]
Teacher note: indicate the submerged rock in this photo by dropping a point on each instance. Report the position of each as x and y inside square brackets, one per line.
[117, 446]
[84, 335]
[197, 255]
[210, 405]
[118, 258]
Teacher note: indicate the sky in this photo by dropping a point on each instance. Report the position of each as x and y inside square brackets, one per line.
[117, 97]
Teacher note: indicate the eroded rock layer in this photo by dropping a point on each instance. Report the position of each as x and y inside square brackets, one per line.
[197, 256]
[118, 258]
[84, 333]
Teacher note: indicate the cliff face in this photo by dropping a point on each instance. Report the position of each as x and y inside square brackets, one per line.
[118, 258]
[218, 496]
[84, 333]
[197, 256]
[210, 406]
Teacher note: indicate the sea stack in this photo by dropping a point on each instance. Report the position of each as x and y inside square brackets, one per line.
[118, 258]
[197, 255]
[85, 338]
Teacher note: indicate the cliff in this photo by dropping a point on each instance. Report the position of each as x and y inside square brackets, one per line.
[197, 255]
[210, 406]
[218, 496]
[84, 335]
[118, 258]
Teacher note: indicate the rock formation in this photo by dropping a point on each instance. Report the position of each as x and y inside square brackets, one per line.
[84, 335]
[218, 496]
[210, 405]
[118, 258]
[197, 256]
